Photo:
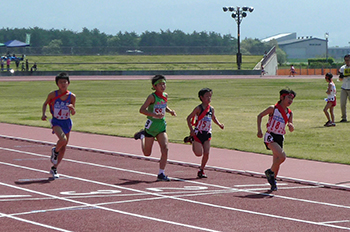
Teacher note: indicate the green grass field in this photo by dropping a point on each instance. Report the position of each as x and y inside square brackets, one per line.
[111, 107]
[140, 62]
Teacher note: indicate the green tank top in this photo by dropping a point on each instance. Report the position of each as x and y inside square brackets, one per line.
[159, 106]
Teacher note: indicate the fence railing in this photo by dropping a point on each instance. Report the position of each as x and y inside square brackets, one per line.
[308, 71]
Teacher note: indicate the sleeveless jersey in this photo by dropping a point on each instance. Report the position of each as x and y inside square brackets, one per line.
[205, 123]
[59, 109]
[159, 106]
[331, 95]
[276, 123]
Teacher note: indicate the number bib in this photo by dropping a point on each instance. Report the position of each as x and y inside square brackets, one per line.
[61, 110]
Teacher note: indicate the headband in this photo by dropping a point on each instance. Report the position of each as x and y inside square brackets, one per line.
[286, 94]
[159, 81]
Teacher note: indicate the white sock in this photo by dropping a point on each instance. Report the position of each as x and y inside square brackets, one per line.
[161, 171]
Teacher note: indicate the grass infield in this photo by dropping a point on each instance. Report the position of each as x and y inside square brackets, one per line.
[112, 108]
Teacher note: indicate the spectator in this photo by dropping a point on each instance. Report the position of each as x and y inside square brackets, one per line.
[33, 68]
[17, 63]
[27, 65]
[8, 62]
[345, 88]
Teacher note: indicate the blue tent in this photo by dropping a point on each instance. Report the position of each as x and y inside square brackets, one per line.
[15, 44]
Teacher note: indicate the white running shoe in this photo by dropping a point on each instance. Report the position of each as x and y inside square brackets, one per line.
[54, 156]
[54, 173]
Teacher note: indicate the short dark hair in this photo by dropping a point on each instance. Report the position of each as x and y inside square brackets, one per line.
[329, 76]
[346, 56]
[287, 92]
[63, 76]
[203, 91]
[157, 77]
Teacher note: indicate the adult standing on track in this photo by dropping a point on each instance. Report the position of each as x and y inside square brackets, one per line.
[279, 117]
[62, 105]
[154, 108]
[345, 88]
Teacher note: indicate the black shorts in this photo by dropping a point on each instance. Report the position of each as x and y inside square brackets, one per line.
[272, 137]
[202, 137]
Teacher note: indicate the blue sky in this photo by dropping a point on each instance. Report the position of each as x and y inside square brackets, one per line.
[270, 17]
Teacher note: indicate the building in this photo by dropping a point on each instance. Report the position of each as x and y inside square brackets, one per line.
[306, 47]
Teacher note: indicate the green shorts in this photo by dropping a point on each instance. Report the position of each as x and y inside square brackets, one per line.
[155, 127]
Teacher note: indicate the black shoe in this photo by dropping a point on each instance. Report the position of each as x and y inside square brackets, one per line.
[201, 174]
[188, 139]
[329, 123]
[343, 120]
[162, 177]
[139, 134]
[270, 175]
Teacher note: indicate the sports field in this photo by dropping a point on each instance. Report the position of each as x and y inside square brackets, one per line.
[111, 107]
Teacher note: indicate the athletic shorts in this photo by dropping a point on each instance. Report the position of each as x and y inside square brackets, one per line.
[154, 128]
[334, 102]
[272, 137]
[65, 124]
[202, 137]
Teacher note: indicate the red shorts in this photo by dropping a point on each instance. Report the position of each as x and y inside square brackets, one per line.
[334, 103]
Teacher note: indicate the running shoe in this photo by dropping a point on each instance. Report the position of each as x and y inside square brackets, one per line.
[139, 135]
[201, 174]
[328, 123]
[188, 139]
[162, 177]
[54, 173]
[270, 175]
[54, 156]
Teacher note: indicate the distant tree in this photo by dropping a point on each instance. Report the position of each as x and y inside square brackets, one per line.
[54, 47]
[281, 56]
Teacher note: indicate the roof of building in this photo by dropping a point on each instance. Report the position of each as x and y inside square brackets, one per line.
[278, 36]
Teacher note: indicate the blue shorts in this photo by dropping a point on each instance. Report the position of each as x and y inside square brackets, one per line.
[65, 124]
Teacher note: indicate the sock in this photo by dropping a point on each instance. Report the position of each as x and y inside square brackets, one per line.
[161, 171]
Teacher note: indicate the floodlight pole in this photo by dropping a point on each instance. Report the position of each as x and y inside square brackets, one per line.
[239, 54]
[238, 15]
[326, 35]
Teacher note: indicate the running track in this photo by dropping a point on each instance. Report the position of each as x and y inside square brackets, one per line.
[107, 185]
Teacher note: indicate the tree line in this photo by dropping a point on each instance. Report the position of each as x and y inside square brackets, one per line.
[90, 42]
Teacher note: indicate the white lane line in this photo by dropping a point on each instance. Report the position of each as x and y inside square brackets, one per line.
[14, 196]
[105, 208]
[178, 179]
[196, 202]
[31, 222]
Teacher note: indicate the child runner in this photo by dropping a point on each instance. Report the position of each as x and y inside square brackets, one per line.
[292, 71]
[200, 135]
[279, 117]
[62, 105]
[331, 100]
[154, 108]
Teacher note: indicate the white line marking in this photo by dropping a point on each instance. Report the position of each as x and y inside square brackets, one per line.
[14, 196]
[105, 208]
[31, 222]
[186, 200]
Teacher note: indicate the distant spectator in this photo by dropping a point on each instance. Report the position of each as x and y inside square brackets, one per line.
[8, 62]
[23, 67]
[33, 68]
[2, 64]
[27, 65]
[17, 63]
